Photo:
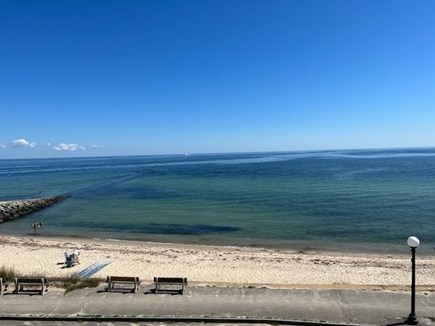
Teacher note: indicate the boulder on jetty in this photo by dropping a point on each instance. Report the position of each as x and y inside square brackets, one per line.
[10, 210]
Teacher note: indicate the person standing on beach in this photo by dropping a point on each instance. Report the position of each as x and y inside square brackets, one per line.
[36, 225]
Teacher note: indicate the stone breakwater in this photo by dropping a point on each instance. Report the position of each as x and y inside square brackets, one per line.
[10, 210]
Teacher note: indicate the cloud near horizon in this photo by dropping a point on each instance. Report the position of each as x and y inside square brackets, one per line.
[67, 147]
[23, 143]
[61, 147]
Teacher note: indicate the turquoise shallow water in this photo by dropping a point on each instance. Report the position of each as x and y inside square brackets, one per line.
[364, 201]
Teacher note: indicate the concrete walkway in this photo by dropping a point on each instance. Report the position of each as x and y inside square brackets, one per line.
[260, 304]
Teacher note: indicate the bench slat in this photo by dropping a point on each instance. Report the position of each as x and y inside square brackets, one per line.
[29, 280]
[123, 279]
[175, 280]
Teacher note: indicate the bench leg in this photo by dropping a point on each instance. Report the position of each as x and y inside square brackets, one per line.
[17, 288]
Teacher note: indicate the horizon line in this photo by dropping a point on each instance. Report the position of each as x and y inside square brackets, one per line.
[229, 153]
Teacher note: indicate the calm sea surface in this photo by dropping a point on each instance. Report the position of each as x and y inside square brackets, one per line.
[365, 201]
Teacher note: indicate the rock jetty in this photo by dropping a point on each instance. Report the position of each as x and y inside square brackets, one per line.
[10, 210]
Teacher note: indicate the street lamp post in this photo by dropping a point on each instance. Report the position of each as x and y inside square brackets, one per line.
[413, 243]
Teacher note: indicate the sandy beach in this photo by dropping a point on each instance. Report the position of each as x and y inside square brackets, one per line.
[213, 265]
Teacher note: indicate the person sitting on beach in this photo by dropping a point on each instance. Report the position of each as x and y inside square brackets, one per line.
[75, 256]
[69, 262]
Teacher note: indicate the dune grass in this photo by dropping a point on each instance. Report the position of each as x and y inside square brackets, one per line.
[8, 273]
[74, 283]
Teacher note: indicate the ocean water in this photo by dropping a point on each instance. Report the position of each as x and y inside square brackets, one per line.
[363, 201]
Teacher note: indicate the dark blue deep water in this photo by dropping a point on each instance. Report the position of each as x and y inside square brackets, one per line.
[365, 201]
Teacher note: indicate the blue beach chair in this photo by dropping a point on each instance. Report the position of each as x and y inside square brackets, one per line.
[69, 261]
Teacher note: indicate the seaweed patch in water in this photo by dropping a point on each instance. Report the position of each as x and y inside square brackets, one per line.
[158, 228]
[187, 229]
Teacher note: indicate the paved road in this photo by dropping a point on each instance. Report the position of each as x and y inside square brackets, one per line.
[333, 306]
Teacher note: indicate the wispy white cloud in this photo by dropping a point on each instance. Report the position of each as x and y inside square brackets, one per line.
[23, 143]
[94, 147]
[17, 143]
[67, 147]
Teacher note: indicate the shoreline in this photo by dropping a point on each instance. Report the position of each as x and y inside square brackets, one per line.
[211, 265]
[296, 246]
[239, 247]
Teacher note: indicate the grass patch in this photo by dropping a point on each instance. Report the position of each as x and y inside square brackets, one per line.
[74, 283]
[8, 273]
[70, 284]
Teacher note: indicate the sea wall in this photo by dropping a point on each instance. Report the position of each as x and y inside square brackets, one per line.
[10, 210]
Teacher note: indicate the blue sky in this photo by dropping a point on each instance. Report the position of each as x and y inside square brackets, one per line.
[80, 78]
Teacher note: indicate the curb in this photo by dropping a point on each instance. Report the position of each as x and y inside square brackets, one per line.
[172, 319]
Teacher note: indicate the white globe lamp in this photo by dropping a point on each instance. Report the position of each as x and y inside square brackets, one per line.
[413, 242]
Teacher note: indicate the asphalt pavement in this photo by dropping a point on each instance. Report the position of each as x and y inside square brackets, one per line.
[218, 305]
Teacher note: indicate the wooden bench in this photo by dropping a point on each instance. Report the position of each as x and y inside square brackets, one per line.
[125, 280]
[3, 285]
[20, 283]
[164, 281]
